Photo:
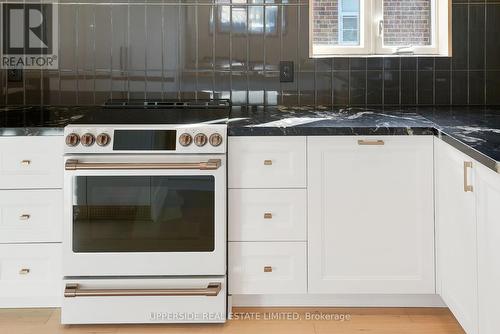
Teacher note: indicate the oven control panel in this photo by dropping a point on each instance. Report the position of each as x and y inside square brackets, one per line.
[146, 139]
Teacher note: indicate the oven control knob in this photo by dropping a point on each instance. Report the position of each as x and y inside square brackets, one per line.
[200, 139]
[215, 139]
[103, 139]
[72, 139]
[87, 139]
[185, 139]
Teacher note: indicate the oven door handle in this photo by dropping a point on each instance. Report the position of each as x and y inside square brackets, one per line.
[74, 290]
[211, 164]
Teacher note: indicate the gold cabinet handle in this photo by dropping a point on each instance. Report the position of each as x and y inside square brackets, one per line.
[268, 162]
[268, 215]
[364, 142]
[24, 271]
[25, 162]
[268, 269]
[24, 217]
[467, 186]
[74, 290]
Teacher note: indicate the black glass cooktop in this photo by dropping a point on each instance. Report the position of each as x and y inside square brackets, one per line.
[159, 112]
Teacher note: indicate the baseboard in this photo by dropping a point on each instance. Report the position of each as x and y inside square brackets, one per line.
[30, 302]
[337, 301]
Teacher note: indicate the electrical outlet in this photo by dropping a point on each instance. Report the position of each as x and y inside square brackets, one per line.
[15, 75]
[286, 71]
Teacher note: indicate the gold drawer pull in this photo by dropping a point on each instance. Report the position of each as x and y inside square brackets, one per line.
[268, 269]
[268, 162]
[467, 186]
[371, 142]
[24, 271]
[24, 217]
[25, 162]
[268, 215]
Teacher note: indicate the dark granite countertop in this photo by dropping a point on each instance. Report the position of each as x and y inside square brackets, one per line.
[37, 121]
[473, 130]
[304, 121]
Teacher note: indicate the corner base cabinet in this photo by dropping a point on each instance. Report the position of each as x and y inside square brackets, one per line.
[370, 215]
[456, 235]
[488, 235]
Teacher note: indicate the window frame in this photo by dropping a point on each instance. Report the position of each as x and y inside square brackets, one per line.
[371, 42]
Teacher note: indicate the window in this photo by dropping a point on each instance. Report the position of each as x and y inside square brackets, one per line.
[379, 27]
[235, 19]
[349, 22]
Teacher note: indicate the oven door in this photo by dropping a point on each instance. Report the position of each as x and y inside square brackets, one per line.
[145, 215]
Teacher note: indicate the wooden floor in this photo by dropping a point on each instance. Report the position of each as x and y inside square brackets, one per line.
[360, 320]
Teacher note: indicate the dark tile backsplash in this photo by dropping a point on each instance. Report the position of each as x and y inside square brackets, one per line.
[193, 49]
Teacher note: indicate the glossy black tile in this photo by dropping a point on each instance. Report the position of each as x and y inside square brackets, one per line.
[459, 87]
[460, 39]
[205, 48]
[375, 87]
[442, 86]
[391, 87]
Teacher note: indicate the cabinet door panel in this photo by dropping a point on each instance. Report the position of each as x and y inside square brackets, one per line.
[488, 229]
[456, 236]
[370, 209]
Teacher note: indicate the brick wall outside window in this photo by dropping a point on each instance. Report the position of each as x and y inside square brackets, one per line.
[326, 24]
[407, 22]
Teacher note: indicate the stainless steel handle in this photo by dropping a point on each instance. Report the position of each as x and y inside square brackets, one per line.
[74, 290]
[371, 142]
[467, 186]
[24, 217]
[24, 271]
[211, 164]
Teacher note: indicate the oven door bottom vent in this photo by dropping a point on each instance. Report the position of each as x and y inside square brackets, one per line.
[158, 300]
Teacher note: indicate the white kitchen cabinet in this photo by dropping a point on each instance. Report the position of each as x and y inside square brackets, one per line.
[370, 215]
[267, 162]
[487, 192]
[267, 214]
[31, 162]
[31, 215]
[30, 275]
[456, 234]
[267, 267]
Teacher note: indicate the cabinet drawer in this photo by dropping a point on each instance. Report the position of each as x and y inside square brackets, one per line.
[267, 162]
[267, 267]
[267, 214]
[31, 162]
[31, 216]
[30, 275]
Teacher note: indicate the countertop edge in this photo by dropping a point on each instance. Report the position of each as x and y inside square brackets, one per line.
[470, 151]
[31, 131]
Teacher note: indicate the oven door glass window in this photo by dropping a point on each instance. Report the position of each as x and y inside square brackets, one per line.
[143, 214]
